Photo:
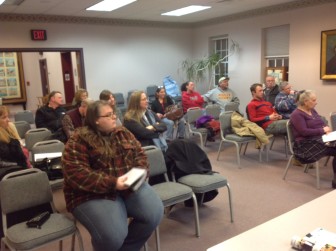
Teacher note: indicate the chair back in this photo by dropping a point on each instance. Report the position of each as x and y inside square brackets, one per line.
[290, 136]
[225, 123]
[157, 164]
[47, 146]
[193, 114]
[119, 99]
[22, 127]
[25, 115]
[333, 121]
[36, 135]
[151, 91]
[24, 189]
[214, 110]
[232, 106]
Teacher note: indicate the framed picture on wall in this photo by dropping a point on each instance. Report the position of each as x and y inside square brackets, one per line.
[279, 73]
[328, 55]
[12, 88]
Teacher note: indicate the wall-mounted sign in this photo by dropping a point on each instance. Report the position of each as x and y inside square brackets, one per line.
[38, 35]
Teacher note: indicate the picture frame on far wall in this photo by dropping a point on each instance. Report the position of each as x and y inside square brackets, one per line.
[328, 55]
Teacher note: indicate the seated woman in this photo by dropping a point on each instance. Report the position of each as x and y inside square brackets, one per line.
[108, 96]
[80, 95]
[161, 102]
[11, 150]
[144, 123]
[95, 161]
[190, 97]
[308, 128]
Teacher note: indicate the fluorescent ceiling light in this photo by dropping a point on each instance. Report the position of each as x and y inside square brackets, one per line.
[109, 5]
[186, 10]
[1, 1]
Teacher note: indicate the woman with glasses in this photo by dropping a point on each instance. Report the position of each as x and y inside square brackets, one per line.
[108, 96]
[143, 123]
[159, 105]
[95, 161]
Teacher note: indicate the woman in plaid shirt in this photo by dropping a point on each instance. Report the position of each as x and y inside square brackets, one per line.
[95, 159]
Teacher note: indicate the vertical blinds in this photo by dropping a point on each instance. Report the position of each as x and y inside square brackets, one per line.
[277, 41]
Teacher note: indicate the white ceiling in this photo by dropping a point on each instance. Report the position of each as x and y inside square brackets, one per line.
[145, 10]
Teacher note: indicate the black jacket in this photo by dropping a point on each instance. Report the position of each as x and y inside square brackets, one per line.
[49, 118]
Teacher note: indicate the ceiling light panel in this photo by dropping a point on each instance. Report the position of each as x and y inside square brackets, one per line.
[109, 5]
[186, 10]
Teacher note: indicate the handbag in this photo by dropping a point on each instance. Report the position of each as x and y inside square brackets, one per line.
[173, 112]
[52, 167]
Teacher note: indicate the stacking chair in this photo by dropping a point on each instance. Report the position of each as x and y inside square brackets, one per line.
[151, 92]
[25, 115]
[332, 117]
[232, 107]
[120, 102]
[170, 193]
[289, 163]
[191, 117]
[36, 135]
[22, 127]
[228, 136]
[27, 190]
[213, 110]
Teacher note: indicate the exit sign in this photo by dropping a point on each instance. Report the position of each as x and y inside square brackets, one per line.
[38, 35]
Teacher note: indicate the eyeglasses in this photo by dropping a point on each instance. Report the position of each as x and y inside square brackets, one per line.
[109, 115]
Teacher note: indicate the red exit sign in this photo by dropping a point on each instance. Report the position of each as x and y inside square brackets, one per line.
[38, 35]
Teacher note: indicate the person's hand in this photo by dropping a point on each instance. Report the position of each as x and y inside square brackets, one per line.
[275, 116]
[327, 129]
[121, 183]
[160, 115]
[150, 127]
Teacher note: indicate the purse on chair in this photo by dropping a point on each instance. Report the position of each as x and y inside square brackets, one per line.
[173, 112]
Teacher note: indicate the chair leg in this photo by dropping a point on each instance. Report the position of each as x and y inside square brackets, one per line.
[230, 201]
[197, 224]
[145, 247]
[60, 245]
[219, 149]
[157, 239]
[272, 143]
[287, 167]
[317, 175]
[327, 160]
[238, 153]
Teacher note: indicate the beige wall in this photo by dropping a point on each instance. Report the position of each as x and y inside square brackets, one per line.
[123, 58]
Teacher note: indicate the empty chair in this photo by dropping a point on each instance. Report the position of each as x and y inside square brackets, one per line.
[170, 193]
[227, 135]
[26, 191]
[120, 102]
[36, 135]
[289, 163]
[214, 110]
[232, 107]
[25, 115]
[191, 117]
[151, 93]
[22, 127]
[47, 146]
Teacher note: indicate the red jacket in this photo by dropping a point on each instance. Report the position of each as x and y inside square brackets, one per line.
[259, 112]
[193, 99]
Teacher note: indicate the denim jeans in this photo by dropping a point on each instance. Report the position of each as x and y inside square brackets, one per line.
[170, 128]
[107, 220]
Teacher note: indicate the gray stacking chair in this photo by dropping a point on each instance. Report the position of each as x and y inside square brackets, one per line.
[26, 190]
[332, 117]
[22, 127]
[151, 93]
[232, 107]
[228, 136]
[213, 110]
[25, 115]
[289, 163]
[191, 117]
[36, 135]
[170, 193]
[120, 102]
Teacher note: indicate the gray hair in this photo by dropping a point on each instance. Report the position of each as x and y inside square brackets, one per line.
[303, 96]
[283, 84]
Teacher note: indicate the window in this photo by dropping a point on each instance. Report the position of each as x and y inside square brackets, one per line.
[220, 45]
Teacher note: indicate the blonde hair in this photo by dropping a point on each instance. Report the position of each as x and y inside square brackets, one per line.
[134, 111]
[304, 96]
[6, 134]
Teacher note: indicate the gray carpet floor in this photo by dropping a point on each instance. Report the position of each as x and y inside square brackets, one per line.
[258, 191]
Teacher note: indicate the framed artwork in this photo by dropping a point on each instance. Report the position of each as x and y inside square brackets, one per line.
[328, 55]
[279, 73]
[12, 88]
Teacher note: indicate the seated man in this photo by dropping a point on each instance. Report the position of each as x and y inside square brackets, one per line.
[50, 116]
[285, 100]
[222, 95]
[261, 112]
[75, 117]
[271, 90]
